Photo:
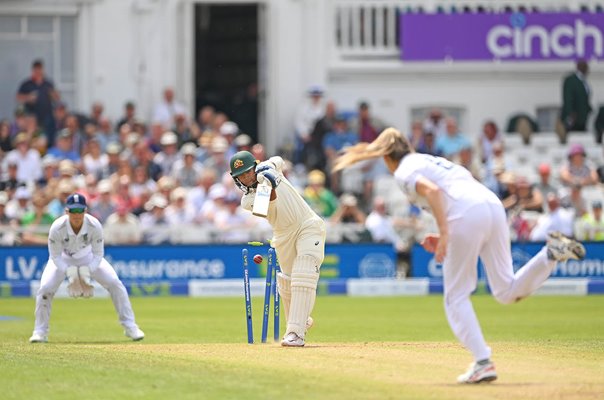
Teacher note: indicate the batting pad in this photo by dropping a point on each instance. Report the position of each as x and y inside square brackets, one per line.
[305, 275]
[285, 292]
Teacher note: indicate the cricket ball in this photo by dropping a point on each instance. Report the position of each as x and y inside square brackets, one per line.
[257, 258]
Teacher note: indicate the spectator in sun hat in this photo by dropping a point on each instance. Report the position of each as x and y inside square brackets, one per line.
[320, 199]
[218, 160]
[37, 221]
[215, 202]
[29, 164]
[591, 225]
[104, 205]
[229, 130]
[113, 161]
[169, 152]
[7, 235]
[198, 195]
[179, 212]
[154, 222]
[243, 142]
[50, 173]
[187, 170]
[578, 170]
[122, 227]
[57, 205]
[308, 114]
[20, 204]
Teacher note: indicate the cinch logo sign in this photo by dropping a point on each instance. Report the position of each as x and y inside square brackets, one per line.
[564, 40]
[507, 37]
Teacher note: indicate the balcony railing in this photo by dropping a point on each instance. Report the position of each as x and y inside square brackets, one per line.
[364, 29]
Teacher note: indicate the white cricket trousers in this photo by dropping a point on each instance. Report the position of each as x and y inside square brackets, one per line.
[483, 232]
[105, 275]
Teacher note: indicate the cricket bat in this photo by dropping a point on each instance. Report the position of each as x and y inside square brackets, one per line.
[262, 199]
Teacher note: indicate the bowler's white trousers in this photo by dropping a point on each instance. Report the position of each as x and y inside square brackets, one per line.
[105, 275]
[482, 231]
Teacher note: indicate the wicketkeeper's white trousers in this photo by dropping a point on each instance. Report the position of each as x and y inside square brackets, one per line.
[483, 232]
[105, 275]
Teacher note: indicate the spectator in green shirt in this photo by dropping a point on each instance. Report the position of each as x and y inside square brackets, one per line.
[36, 223]
[320, 199]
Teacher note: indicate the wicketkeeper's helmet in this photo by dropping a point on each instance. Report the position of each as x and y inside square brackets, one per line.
[240, 163]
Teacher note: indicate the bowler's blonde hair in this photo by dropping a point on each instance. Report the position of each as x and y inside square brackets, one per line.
[390, 143]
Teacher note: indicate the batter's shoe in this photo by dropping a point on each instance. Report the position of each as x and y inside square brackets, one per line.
[37, 338]
[478, 373]
[562, 248]
[292, 340]
[135, 334]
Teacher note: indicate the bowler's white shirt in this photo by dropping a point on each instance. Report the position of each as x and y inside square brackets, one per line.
[67, 249]
[460, 190]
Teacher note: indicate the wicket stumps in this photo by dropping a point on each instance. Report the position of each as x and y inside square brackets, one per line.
[248, 297]
[270, 288]
[277, 303]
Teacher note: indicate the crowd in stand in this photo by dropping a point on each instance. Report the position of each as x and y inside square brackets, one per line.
[145, 180]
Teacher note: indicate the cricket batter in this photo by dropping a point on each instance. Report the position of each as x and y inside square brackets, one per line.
[75, 244]
[298, 239]
[472, 223]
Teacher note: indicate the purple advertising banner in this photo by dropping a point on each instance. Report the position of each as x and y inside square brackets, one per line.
[514, 37]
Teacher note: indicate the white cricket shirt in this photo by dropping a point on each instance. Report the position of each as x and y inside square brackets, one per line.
[460, 190]
[67, 249]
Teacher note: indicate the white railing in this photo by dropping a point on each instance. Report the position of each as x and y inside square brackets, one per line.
[369, 29]
[189, 234]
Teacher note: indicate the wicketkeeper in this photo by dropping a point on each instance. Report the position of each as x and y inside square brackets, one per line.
[75, 245]
[298, 239]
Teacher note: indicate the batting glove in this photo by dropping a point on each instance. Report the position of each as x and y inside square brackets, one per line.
[271, 176]
[265, 166]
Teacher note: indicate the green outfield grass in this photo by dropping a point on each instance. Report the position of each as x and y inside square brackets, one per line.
[360, 348]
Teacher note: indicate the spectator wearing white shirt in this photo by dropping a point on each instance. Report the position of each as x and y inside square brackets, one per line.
[310, 111]
[233, 221]
[435, 123]
[556, 219]
[214, 204]
[20, 204]
[169, 152]
[104, 205]
[198, 195]
[141, 182]
[187, 170]
[179, 212]
[28, 161]
[94, 160]
[122, 227]
[229, 130]
[153, 222]
[380, 224]
[168, 108]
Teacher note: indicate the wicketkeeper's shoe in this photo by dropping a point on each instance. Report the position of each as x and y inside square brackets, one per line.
[478, 373]
[292, 340]
[37, 338]
[135, 334]
[562, 248]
